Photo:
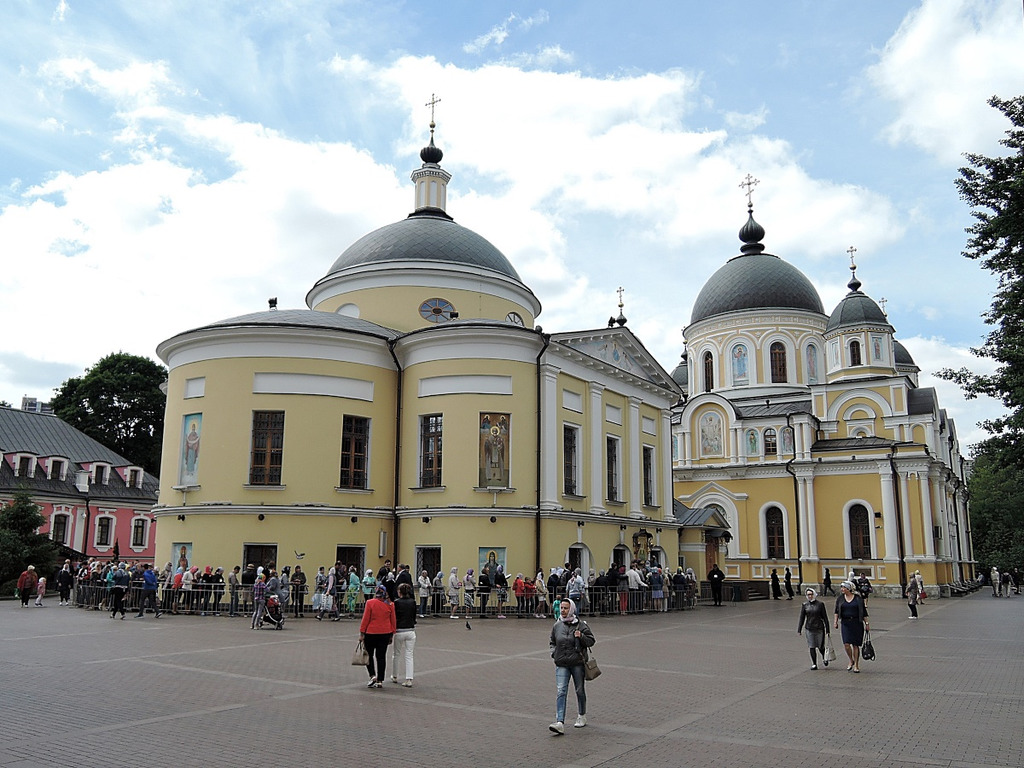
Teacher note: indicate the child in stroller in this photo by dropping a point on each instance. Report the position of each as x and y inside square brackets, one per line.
[274, 614]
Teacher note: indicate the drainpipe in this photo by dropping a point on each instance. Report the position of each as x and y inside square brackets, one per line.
[796, 505]
[398, 448]
[899, 518]
[546, 337]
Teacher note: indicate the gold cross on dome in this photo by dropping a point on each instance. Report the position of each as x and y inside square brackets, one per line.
[883, 301]
[851, 250]
[749, 182]
[434, 101]
[620, 296]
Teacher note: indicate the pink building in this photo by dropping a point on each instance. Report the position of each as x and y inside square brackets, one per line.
[95, 502]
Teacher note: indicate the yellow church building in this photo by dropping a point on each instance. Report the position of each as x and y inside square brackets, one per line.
[806, 434]
[416, 412]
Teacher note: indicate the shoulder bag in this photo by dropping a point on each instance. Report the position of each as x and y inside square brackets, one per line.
[867, 650]
[590, 669]
[830, 651]
[360, 657]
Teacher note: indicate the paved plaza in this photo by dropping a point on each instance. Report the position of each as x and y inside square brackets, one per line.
[728, 686]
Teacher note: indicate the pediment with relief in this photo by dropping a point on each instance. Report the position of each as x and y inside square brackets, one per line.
[619, 349]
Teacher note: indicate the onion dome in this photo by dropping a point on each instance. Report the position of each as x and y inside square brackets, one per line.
[431, 153]
[856, 310]
[755, 280]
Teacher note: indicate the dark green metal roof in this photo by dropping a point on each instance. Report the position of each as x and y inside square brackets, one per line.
[755, 281]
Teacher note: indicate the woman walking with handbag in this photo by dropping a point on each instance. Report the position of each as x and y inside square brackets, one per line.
[851, 611]
[376, 631]
[570, 638]
[814, 624]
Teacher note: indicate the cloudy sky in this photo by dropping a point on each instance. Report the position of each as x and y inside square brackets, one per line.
[163, 165]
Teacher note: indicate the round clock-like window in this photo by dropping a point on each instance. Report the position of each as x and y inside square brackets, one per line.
[437, 310]
[514, 318]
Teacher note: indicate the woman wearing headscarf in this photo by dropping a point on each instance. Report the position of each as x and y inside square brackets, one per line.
[327, 598]
[853, 614]
[353, 590]
[570, 637]
[542, 595]
[259, 601]
[814, 624]
[437, 594]
[453, 592]
[376, 630]
[369, 585]
[500, 590]
[469, 592]
[423, 583]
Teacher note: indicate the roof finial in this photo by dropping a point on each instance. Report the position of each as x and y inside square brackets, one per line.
[749, 182]
[430, 153]
[883, 301]
[854, 284]
[621, 319]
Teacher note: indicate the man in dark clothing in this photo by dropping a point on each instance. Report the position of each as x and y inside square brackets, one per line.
[404, 575]
[149, 585]
[716, 577]
[248, 579]
[383, 572]
[483, 588]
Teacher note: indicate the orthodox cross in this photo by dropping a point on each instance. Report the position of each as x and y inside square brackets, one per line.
[749, 182]
[434, 100]
[851, 250]
[620, 298]
[883, 301]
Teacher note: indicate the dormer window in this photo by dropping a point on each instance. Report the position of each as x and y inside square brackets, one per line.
[25, 465]
[133, 477]
[57, 469]
[100, 474]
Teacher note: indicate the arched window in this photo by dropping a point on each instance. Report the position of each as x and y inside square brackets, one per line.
[771, 443]
[860, 532]
[775, 533]
[709, 372]
[777, 354]
[855, 353]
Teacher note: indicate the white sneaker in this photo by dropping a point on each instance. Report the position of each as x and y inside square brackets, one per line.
[557, 728]
[581, 721]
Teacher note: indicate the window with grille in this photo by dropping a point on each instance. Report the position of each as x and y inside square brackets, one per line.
[855, 358]
[771, 443]
[355, 439]
[775, 534]
[648, 472]
[709, 372]
[26, 465]
[103, 529]
[267, 448]
[570, 460]
[430, 451]
[59, 529]
[139, 533]
[860, 532]
[777, 355]
[614, 484]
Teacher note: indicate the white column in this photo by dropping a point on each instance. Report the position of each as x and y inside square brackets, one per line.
[908, 534]
[892, 548]
[635, 448]
[666, 465]
[550, 448]
[926, 516]
[596, 447]
[940, 506]
[812, 519]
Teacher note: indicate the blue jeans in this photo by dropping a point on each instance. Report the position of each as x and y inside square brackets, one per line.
[562, 675]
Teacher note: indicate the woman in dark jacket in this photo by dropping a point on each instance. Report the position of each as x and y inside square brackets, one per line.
[851, 611]
[405, 636]
[776, 586]
[814, 624]
[569, 638]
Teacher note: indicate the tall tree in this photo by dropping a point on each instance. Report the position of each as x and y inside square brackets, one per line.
[994, 188]
[20, 545]
[119, 403]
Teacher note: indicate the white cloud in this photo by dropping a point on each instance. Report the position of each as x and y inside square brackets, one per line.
[499, 33]
[946, 59]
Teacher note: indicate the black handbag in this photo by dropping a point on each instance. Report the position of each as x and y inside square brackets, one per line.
[867, 650]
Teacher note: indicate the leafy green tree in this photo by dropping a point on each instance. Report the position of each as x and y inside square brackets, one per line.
[994, 188]
[997, 509]
[119, 403]
[20, 545]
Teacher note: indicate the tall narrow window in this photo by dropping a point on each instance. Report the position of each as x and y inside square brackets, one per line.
[430, 451]
[139, 532]
[59, 529]
[612, 466]
[648, 471]
[855, 358]
[775, 533]
[570, 461]
[267, 448]
[709, 372]
[777, 354]
[771, 443]
[25, 467]
[103, 526]
[860, 532]
[355, 439]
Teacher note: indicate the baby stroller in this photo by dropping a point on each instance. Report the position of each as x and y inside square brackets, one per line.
[274, 614]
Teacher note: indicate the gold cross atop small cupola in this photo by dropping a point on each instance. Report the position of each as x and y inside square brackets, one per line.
[749, 182]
